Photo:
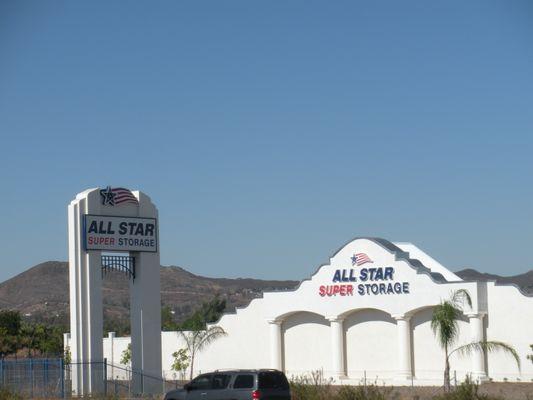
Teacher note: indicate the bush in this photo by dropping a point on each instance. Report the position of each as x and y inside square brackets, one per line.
[370, 392]
[312, 387]
[315, 387]
[6, 394]
[468, 390]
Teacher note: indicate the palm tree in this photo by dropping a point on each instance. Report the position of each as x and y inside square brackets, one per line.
[445, 326]
[197, 340]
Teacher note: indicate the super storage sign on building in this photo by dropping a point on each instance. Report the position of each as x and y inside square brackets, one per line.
[367, 281]
[119, 233]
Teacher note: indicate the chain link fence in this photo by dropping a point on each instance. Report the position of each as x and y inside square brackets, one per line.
[52, 378]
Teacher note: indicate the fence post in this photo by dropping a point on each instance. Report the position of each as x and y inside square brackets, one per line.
[105, 376]
[31, 375]
[2, 371]
[142, 381]
[62, 377]
[45, 377]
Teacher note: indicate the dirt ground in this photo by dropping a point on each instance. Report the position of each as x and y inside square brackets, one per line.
[507, 391]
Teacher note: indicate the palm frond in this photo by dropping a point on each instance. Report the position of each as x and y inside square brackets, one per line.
[488, 347]
[209, 335]
[444, 323]
[188, 338]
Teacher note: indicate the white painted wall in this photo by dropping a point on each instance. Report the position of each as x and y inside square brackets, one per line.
[371, 344]
[306, 339]
[371, 331]
[428, 356]
[510, 319]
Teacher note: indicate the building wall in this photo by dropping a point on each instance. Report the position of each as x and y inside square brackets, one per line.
[510, 320]
[384, 338]
[371, 345]
[428, 356]
[306, 344]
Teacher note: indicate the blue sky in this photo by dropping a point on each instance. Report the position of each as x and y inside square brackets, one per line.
[271, 133]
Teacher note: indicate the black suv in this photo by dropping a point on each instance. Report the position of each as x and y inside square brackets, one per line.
[246, 384]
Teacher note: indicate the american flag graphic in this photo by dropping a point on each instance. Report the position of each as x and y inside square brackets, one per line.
[122, 196]
[360, 259]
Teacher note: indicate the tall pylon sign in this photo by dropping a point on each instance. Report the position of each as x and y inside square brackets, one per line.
[114, 229]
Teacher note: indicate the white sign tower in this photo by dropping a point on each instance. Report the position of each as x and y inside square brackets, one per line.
[107, 221]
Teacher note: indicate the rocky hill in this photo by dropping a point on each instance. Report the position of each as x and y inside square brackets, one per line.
[523, 281]
[41, 293]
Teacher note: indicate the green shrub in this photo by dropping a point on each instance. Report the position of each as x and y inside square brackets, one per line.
[312, 387]
[6, 394]
[370, 392]
[468, 390]
[315, 387]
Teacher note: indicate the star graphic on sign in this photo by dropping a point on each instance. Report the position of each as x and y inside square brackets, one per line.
[354, 259]
[108, 197]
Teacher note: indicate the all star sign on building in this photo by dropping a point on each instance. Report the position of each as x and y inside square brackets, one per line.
[375, 280]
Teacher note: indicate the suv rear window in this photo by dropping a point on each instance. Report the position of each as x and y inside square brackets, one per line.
[244, 382]
[273, 380]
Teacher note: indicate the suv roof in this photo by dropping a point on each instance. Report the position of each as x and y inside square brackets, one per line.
[238, 371]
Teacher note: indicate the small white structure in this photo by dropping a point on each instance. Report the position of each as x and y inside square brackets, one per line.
[105, 221]
[366, 314]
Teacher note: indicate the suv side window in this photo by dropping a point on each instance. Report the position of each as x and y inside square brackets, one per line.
[244, 382]
[220, 381]
[272, 380]
[202, 382]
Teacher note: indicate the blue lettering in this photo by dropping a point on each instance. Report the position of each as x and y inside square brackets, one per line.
[372, 273]
[337, 276]
[344, 277]
[352, 277]
[363, 275]
[390, 290]
[93, 228]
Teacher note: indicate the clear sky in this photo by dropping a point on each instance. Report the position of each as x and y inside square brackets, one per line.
[271, 133]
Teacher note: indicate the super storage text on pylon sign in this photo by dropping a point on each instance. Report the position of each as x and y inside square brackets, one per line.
[372, 280]
[119, 233]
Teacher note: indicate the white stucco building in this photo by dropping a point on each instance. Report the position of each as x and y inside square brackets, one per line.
[367, 312]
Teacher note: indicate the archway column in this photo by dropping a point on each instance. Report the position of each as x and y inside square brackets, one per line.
[405, 370]
[337, 347]
[476, 335]
[276, 355]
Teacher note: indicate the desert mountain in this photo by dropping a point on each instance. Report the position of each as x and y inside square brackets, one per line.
[42, 293]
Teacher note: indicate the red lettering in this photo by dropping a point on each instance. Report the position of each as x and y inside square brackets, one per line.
[334, 290]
